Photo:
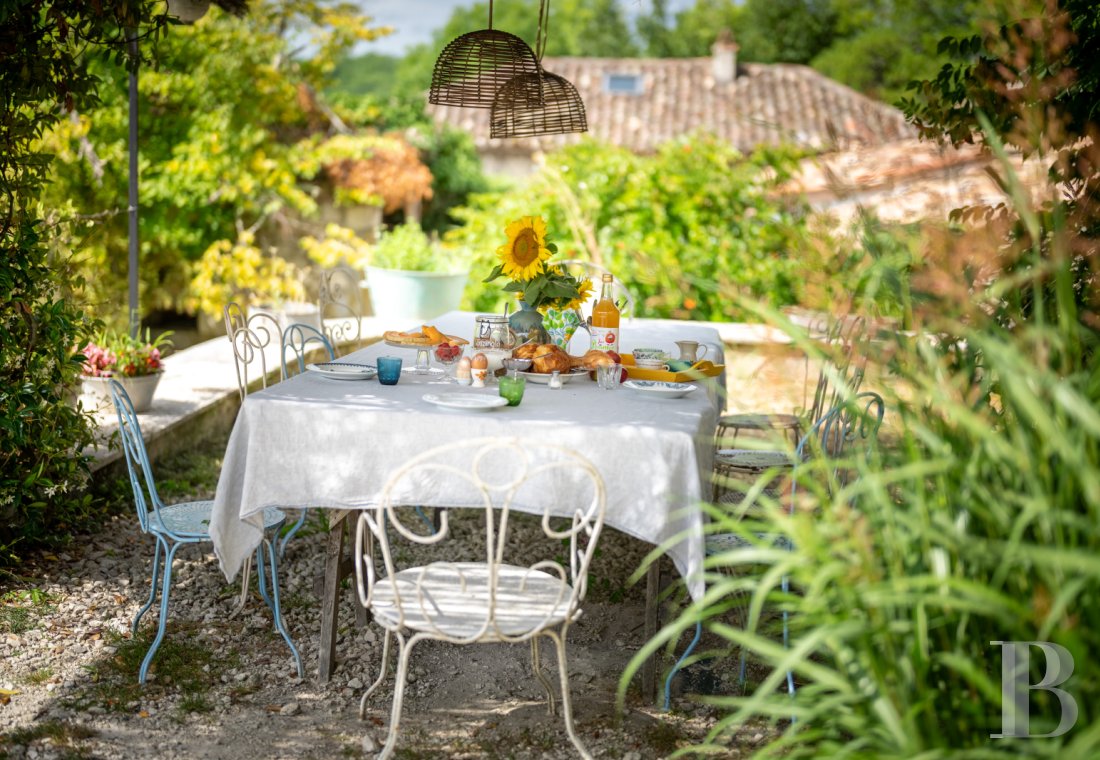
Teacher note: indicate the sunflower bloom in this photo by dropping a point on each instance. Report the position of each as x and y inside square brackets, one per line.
[584, 292]
[523, 255]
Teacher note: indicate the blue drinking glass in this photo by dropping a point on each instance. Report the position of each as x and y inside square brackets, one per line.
[389, 369]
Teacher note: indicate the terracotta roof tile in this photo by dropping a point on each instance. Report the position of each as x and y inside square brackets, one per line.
[764, 104]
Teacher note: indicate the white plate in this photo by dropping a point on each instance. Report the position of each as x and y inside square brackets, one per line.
[660, 388]
[470, 402]
[341, 371]
[540, 378]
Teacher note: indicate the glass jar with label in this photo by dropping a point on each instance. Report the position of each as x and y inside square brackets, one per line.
[491, 332]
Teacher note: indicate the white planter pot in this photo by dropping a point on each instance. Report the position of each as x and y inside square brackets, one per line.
[97, 395]
[397, 294]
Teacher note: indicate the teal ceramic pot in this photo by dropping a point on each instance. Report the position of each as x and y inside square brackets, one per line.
[397, 294]
[527, 325]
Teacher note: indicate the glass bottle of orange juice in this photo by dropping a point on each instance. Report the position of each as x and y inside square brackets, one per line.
[605, 320]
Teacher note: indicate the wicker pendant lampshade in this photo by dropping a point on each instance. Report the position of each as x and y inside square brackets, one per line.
[473, 67]
[561, 112]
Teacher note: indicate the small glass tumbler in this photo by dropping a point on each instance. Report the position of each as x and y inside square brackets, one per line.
[608, 376]
[511, 389]
[389, 369]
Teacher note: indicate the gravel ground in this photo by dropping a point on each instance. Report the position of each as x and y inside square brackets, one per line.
[225, 687]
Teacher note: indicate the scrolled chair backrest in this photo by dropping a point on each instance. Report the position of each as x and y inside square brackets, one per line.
[844, 366]
[341, 306]
[299, 341]
[852, 421]
[251, 338]
[494, 475]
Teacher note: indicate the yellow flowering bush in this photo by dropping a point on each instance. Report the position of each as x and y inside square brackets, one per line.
[239, 271]
[339, 247]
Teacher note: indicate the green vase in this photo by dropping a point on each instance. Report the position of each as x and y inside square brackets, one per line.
[527, 325]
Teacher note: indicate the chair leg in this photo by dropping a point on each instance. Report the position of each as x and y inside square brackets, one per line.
[152, 588]
[246, 575]
[279, 626]
[261, 581]
[290, 533]
[384, 667]
[536, 667]
[404, 650]
[163, 622]
[566, 703]
[679, 664]
[787, 639]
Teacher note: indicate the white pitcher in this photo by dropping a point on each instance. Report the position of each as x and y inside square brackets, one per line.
[689, 350]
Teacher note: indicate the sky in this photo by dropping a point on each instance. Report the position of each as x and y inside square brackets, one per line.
[415, 20]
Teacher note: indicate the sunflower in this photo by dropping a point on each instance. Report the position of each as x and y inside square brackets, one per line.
[584, 292]
[522, 256]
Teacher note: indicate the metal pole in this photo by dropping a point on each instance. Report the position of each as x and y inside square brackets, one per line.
[134, 315]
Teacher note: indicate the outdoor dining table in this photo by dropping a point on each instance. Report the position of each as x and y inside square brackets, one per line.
[313, 441]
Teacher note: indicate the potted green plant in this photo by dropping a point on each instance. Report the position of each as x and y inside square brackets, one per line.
[135, 362]
[410, 276]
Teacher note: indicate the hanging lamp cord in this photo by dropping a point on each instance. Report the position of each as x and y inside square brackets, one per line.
[490, 14]
[543, 30]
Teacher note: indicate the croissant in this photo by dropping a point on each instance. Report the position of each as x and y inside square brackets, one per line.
[526, 351]
[545, 357]
[592, 359]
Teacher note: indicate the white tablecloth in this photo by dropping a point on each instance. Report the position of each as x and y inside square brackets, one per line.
[312, 441]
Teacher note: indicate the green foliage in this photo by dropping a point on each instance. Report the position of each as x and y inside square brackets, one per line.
[786, 31]
[979, 520]
[217, 121]
[680, 227]
[365, 74]
[408, 247]
[1046, 55]
[1026, 85]
[44, 76]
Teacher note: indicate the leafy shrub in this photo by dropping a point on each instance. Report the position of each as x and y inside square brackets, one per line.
[407, 246]
[45, 75]
[979, 522]
[684, 228]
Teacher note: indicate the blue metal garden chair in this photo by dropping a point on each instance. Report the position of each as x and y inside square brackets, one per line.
[300, 340]
[846, 423]
[176, 525]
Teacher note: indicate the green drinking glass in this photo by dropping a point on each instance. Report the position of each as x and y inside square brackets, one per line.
[511, 389]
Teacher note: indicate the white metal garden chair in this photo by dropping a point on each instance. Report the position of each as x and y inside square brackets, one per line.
[257, 341]
[495, 597]
[176, 525]
[341, 305]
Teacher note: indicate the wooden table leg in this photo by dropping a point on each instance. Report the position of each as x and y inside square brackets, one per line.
[649, 667]
[330, 600]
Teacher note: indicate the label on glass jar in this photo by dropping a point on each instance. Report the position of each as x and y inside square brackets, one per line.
[605, 338]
